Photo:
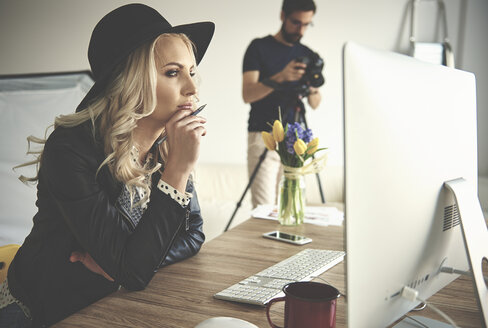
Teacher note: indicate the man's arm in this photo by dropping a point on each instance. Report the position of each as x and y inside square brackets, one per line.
[253, 90]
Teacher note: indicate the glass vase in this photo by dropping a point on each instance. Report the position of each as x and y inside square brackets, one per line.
[291, 200]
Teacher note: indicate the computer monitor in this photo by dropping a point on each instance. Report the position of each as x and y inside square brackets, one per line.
[409, 126]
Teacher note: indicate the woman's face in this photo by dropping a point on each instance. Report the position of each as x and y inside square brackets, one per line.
[175, 89]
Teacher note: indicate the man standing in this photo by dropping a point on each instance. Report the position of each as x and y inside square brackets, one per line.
[270, 78]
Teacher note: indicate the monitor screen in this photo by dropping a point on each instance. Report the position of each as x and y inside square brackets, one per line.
[409, 126]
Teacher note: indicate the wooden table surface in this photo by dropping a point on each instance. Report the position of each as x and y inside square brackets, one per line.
[181, 295]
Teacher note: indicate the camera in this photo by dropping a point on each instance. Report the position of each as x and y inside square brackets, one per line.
[313, 73]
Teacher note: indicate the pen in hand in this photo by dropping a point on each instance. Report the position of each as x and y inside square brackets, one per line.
[196, 112]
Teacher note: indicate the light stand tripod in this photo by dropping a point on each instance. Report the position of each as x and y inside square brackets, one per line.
[251, 179]
[299, 117]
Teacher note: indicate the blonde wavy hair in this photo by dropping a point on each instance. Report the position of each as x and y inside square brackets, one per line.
[129, 96]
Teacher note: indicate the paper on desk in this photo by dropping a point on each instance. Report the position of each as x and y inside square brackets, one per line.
[319, 215]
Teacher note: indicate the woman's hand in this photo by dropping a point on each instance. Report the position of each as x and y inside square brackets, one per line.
[89, 263]
[184, 133]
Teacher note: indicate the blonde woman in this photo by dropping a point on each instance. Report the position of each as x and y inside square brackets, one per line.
[115, 202]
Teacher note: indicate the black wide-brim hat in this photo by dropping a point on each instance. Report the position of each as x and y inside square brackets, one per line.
[125, 29]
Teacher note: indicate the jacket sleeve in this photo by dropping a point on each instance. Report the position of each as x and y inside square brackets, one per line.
[190, 238]
[70, 172]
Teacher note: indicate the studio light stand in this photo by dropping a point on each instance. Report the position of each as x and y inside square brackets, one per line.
[251, 179]
[300, 117]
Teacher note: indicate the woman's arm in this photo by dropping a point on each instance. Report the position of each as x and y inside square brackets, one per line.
[189, 239]
[131, 258]
[187, 243]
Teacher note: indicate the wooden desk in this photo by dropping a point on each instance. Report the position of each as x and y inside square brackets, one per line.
[181, 295]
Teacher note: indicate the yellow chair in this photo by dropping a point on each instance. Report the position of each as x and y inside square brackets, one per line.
[7, 254]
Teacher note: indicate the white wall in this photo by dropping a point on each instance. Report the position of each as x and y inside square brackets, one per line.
[53, 36]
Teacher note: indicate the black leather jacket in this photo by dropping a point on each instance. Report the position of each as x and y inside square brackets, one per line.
[78, 210]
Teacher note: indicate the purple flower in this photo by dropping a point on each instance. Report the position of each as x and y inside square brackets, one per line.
[291, 136]
[307, 136]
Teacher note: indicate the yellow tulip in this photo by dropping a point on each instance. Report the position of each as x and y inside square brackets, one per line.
[269, 141]
[278, 132]
[300, 147]
[312, 146]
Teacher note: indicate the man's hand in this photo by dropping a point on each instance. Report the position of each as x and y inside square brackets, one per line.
[314, 97]
[253, 91]
[293, 71]
[89, 263]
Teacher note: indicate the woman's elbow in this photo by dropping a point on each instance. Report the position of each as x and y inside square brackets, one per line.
[136, 280]
[135, 285]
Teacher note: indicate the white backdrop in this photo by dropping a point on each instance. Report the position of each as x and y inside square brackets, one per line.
[32, 101]
[53, 35]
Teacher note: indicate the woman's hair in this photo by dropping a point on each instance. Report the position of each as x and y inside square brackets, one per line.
[129, 96]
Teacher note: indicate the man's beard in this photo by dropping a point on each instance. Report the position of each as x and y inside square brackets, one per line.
[290, 37]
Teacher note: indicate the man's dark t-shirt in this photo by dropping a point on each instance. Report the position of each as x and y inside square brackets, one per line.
[268, 56]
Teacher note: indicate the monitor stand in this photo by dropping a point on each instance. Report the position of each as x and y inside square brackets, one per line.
[475, 235]
[475, 238]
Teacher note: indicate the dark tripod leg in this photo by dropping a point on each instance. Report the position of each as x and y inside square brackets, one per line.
[301, 112]
[251, 179]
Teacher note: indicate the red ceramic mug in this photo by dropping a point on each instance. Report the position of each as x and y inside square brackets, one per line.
[307, 304]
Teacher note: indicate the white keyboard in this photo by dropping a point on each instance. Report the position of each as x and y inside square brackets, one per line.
[260, 288]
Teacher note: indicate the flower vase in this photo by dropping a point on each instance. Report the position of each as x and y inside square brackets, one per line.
[291, 201]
